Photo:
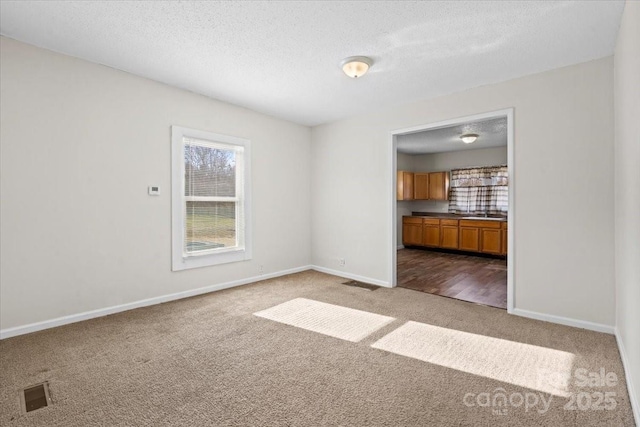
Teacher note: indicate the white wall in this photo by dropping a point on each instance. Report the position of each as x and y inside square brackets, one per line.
[627, 194]
[437, 162]
[405, 162]
[80, 144]
[563, 182]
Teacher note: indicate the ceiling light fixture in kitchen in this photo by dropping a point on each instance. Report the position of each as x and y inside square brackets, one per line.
[468, 138]
[356, 66]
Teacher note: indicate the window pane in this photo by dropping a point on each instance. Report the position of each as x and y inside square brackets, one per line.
[210, 225]
[209, 172]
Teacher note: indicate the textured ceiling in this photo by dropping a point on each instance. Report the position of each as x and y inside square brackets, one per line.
[281, 58]
[491, 133]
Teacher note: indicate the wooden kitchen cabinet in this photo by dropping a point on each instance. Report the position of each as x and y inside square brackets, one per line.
[431, 186]
[505, 238]
[469, 238]
[405, 186]
[471, 235]
[421, 186]
[438, 185]
[431, 232]
[481, 236]
[449, 233]
[412, 231]
[491, 240]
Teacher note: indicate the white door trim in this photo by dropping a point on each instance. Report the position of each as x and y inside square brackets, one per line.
[392, 249]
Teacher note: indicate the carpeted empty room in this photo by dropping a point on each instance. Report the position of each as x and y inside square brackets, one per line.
[319, 213]
[208, 360]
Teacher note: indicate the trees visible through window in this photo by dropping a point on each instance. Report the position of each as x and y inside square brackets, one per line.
[210, 198]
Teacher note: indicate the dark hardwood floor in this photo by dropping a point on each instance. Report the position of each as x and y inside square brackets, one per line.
[476, 279]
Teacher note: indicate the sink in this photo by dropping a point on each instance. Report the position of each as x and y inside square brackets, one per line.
[483, 218]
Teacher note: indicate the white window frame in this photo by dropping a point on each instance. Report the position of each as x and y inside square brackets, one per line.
[178, 199]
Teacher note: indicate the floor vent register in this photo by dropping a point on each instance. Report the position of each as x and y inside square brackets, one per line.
[357, 284]
[35, 397]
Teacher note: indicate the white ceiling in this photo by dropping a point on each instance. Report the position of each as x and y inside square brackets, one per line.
[491, 133]
[281, 58]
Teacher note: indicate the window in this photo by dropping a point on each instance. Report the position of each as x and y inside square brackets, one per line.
[479, 190]
[210, 199]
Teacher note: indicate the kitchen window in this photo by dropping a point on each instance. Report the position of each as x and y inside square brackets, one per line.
[479, 191]
[210, 199]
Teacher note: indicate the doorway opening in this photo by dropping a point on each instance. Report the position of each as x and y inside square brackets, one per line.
[453, 208]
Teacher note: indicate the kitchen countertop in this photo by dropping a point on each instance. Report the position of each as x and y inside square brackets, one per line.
[444, 215]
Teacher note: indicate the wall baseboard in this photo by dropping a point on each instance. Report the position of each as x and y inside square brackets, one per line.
[400, 247]
[583, 324]
[351, 276]
[73, 318]
[626, 365]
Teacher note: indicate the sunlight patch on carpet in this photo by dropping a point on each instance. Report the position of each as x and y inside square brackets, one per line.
[328, 319]
[539, 368]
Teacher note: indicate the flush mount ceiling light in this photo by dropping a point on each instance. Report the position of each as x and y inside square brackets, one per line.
[468, 138]
[356, 66]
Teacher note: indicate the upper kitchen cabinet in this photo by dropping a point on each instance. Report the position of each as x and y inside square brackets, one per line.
[431, 186]
[405, 186]
[438, 185]
[421, 186]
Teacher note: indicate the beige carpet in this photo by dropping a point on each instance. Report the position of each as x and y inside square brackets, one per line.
[209, 361]
[508, 361]
[329, 319]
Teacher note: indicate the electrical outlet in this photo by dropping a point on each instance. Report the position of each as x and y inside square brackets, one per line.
[342, 262]
[261, 269]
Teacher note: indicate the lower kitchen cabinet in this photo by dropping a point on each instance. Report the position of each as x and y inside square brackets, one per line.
[449, 233]
[491, 240]
[431, 232]
[469, 239]
[471, 235]
[412, 231]
[481, 236]
[505, 238]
